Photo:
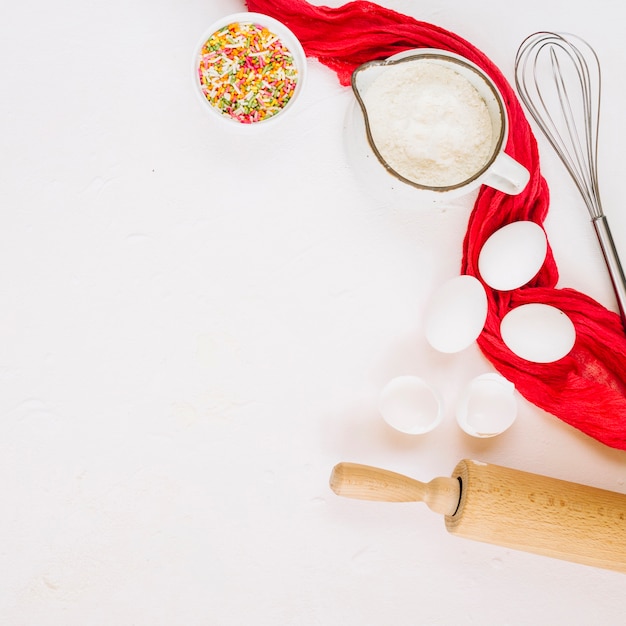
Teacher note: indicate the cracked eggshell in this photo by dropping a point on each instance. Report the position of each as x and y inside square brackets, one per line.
[456, 314]
[513, 255]
[410, 405]
[538, 332]
[487, 407]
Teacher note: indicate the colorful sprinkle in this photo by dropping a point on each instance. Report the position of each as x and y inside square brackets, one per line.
[246, 72]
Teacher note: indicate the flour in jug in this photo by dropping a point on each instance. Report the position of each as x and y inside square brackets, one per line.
[429, 123]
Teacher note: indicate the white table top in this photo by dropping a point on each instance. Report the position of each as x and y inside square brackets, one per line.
[196, 327]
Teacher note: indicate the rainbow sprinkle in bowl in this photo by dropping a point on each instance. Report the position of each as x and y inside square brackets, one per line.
[249, 69]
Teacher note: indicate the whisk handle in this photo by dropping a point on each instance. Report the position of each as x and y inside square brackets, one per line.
[613, 263]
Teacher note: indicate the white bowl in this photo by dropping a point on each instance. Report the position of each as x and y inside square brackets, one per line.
[284, 34]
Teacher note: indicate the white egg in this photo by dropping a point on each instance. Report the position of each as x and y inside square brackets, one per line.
[456, 314]
[487, 406]
[410, 405]
[538, 332]
[513, 255]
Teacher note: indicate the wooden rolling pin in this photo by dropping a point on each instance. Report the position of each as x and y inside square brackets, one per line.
[508, 508]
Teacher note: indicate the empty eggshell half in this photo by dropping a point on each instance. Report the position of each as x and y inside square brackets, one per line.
[410, 405]
[538, 332]
[456, 314]
[487, 406]
[513, 255]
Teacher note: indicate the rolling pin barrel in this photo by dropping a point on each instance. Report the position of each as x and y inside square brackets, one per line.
[538, 514]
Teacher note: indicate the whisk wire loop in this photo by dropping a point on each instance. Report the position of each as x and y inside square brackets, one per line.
[578, 157]
[541, 80]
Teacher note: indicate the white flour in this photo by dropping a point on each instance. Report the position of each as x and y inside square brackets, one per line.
[429, 123]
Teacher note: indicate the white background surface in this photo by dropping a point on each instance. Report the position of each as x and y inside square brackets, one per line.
[196, 327]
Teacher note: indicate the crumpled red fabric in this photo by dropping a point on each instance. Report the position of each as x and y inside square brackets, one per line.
[587, 388]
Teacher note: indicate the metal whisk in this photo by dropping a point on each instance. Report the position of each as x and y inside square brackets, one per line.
[558, 78]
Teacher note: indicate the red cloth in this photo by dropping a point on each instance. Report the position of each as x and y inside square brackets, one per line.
[585, 389]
